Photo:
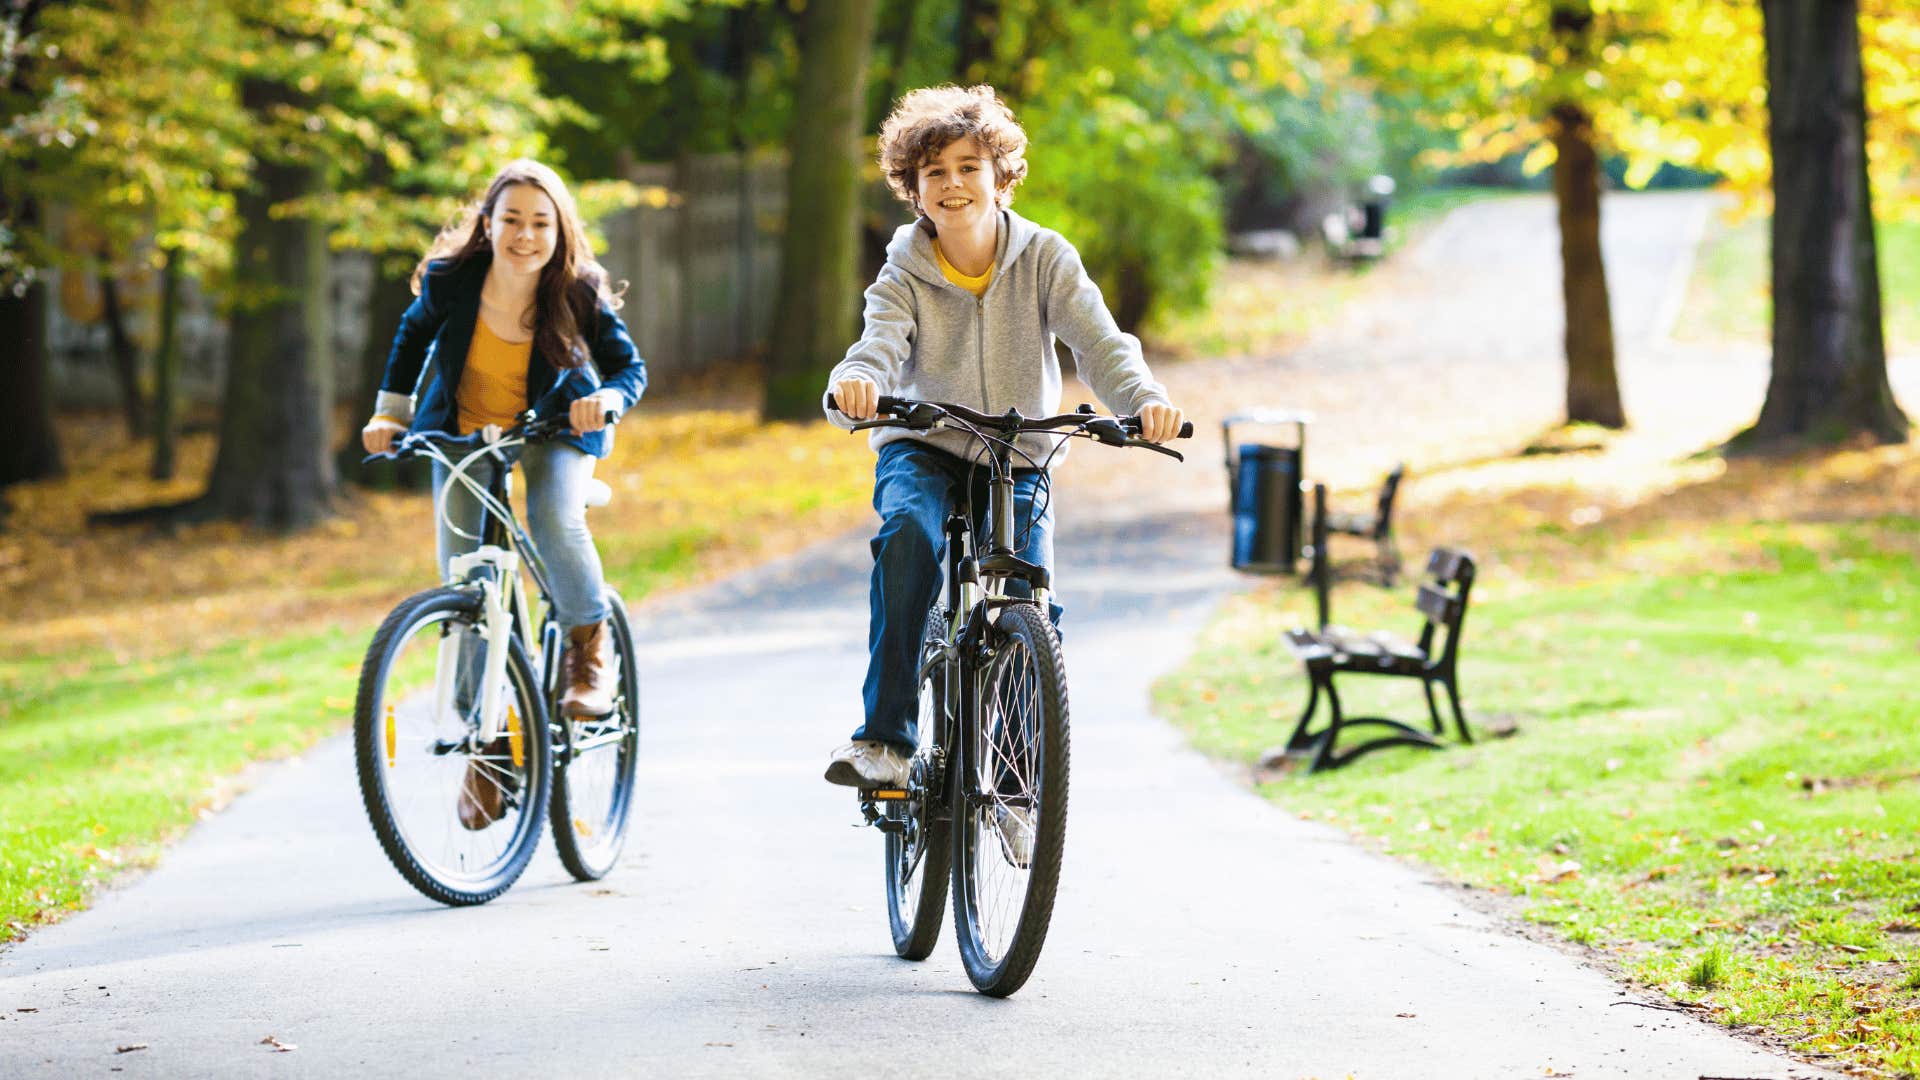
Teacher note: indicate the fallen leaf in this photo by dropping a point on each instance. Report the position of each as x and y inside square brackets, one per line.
[129, 1048]
[278, 1046]
[1405, 1016]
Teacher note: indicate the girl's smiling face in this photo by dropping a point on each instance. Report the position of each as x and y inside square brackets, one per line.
[957, 188]
[523, 229]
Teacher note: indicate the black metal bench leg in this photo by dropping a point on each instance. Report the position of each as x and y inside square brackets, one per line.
[1459, 717]
[1389, 559]
[1433, 709]
[1300, 740]
[1323, 757]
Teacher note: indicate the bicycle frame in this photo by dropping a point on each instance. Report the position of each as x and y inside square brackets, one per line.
[494, 568]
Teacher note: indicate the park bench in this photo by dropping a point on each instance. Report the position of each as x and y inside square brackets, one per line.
[1377, 526]
[1331, 649]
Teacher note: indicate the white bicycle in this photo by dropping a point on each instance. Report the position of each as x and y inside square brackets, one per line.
[460, 745]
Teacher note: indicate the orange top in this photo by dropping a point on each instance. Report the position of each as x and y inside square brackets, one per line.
[493, 385]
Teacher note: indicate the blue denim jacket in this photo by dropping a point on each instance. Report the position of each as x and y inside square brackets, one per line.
[440, 322]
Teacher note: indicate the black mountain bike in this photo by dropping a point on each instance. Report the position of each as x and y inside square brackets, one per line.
[986, 797]
[458, 707]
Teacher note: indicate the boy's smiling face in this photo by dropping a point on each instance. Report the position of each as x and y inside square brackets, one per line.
[957, 186]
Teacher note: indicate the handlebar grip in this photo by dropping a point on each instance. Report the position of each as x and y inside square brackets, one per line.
[885, 405]
[1186, 430]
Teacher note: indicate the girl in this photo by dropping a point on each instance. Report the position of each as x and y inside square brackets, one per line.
[509, 300]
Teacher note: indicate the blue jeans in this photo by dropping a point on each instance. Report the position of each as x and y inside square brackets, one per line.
[556, 476]
[915, 487]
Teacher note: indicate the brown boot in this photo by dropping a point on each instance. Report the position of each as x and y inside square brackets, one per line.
[483, 794]
[587, 667]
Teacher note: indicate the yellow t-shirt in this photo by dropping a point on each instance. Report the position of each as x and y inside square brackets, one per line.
[975, 285]
[493, 385]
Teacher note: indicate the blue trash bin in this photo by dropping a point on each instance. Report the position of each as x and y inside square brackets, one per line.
[1263, 484]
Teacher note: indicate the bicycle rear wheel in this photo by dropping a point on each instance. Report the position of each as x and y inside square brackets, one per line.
[1010, 819]
[459, 819]
[920, 853]
[593, 776]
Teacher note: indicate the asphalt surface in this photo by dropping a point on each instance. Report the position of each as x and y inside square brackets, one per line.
[1199, 930]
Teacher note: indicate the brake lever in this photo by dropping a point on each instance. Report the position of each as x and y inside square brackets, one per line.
[1156, 448]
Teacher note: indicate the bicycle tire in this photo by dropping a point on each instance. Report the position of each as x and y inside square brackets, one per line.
[914, 918]
[574, 825]
[370, 736]
[999, 968]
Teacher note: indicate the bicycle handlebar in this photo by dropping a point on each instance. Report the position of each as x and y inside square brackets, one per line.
[530, 429]
[924, 415]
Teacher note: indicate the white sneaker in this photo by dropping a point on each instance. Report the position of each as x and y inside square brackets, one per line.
[867, 763]
[1015, 826]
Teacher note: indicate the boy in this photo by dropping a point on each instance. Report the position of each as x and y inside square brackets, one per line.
[965, 310]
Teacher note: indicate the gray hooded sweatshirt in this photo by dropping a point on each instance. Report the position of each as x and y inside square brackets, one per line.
[929, 339]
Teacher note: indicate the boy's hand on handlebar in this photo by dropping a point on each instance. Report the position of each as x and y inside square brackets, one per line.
[857, 398]
[589, 414]
[377, 437]
[1160, 423]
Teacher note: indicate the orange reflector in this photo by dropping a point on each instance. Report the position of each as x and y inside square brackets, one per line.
[514, 745]
[889, 793]
[390, 736]
[580, 826]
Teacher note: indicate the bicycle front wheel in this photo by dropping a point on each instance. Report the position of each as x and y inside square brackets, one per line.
[458, 817]
[593, 778]
[1010, 820]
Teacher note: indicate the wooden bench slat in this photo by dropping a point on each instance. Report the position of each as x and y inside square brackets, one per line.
[1436, 604]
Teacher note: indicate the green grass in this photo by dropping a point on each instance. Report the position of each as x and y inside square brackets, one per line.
[1730, 295]
[1716, 779]
[102, 762]
[97, 770]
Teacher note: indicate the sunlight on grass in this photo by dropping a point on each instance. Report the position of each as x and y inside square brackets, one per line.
[133, 690]
[1713, 784]
[1730, 295]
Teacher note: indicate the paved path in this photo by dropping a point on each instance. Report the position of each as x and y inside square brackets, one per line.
[1199, 930]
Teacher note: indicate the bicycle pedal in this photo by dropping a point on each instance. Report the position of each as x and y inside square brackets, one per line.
[885, 794]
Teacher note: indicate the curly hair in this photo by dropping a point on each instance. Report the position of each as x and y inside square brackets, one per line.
[927, 121]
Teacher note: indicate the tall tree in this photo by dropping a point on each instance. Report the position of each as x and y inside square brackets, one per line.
[1566, 82]
[273, 467]
[30, 449]
[819, 295]
[1593, 387]
[1829, 353]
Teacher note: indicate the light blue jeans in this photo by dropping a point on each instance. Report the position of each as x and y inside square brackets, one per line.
[556, 487]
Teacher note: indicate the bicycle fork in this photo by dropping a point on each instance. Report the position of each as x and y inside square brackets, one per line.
[496, 571]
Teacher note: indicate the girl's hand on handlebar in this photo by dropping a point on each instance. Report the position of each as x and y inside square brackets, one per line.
[377, 437]
[857, 398]
[1160, 423]
[589, 414]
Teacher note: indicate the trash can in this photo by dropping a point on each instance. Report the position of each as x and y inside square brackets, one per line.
[1263, 486]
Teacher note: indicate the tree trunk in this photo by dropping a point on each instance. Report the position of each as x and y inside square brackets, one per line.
[1829, 353]
[391, 296]
[978, 25]
[1593, 387]
[126, 358]
[274, 467]
[166, 369]
[29, 449]
[908, 14]
[819, 294]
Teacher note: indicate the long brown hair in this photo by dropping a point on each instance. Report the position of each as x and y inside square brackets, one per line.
[572, 284]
